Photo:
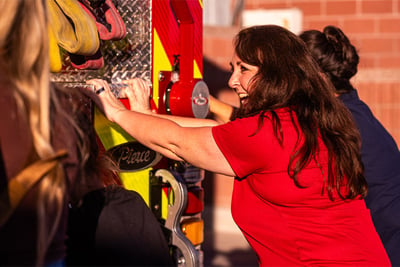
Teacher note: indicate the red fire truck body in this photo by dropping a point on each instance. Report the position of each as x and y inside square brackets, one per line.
[163, 45]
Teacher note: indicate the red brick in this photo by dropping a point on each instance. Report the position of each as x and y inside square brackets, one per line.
[340, 7]
[389, 25]
[320, 23]
[217, 47]
[382, 94]
[254, 4]
[354, 39]
[358, 25]
[208, 45]
[272, 5]
[377, 45]
[367, 91]
[250, 4]
[367, 61]
[388, 94]
[376, 6]
[390, 61]
[309, 8]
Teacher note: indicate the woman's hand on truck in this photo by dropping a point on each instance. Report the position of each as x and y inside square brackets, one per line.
[138, 93]
[104, 99]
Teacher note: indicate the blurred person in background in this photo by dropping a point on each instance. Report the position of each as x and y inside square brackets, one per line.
[36, 123]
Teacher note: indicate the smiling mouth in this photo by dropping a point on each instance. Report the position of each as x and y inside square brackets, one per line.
[243, 98]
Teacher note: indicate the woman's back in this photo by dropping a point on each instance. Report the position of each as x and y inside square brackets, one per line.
[381, 158]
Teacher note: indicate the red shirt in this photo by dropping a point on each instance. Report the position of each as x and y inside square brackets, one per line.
[287, 225]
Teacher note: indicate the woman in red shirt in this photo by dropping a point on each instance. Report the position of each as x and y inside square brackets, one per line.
[293, 149]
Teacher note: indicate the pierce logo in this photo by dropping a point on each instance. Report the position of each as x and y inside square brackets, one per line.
[200, 100]
[133, 156]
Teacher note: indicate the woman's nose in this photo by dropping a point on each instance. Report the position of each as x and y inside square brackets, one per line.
[232, 81]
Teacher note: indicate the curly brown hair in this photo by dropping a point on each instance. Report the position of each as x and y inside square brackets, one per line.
[335, 55]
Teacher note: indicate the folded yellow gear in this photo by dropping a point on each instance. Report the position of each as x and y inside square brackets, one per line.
[54, 52]
[80, 38]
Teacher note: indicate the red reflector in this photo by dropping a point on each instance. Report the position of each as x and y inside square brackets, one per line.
[195, 200]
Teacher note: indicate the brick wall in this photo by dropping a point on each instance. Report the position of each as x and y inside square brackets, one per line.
[373, 26]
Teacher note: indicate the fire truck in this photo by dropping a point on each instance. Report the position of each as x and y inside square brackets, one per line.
[161, 42]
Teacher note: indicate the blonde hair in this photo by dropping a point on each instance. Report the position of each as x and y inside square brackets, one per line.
[24, 52]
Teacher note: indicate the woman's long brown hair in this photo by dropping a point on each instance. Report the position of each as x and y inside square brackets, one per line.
[288, 76]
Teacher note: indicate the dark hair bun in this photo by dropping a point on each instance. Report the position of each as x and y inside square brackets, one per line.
[345, 53]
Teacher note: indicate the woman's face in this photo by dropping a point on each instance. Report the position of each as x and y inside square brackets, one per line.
[242, 74]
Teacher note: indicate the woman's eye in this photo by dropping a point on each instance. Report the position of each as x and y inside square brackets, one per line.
[242, 68]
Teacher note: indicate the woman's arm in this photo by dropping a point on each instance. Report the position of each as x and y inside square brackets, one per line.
[193, 144]
[138, 93]
[221, 111]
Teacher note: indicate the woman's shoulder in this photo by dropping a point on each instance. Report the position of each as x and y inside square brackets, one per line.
[264, 117]
[280, 113]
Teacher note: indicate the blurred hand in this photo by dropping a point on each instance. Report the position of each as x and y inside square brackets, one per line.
[105, 100]
[138, 93]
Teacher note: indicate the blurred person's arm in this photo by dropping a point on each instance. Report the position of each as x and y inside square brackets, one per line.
[221, 111]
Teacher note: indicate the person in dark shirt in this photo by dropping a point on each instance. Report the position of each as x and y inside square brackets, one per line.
[380, 155]
[109, 225]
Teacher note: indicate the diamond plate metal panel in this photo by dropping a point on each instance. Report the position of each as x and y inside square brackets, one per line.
[123, 59]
